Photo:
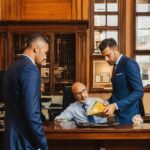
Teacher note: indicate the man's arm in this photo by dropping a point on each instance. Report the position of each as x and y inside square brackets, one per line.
[67, 114]
[135, 85]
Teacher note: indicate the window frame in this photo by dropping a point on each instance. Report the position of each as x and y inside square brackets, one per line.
[135, 51]
[121, 36]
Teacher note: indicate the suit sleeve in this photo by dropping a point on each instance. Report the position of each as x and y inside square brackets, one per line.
[30, 83]
[134, 83]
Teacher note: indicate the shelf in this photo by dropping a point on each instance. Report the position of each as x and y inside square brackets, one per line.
[64, 82]
[67, 41]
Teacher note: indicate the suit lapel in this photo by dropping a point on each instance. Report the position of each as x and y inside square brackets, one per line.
[120, 64]
[118, 68]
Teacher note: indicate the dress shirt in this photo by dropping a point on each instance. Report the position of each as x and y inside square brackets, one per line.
[117, 61]
[76, 112]
[115, 68]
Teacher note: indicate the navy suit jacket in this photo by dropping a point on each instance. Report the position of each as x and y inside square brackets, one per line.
[23, 130]
[127, 89]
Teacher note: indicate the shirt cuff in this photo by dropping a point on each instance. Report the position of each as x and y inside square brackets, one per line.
[116, 106]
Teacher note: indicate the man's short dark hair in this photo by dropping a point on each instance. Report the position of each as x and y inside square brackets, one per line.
[33, 37]
[110, 42]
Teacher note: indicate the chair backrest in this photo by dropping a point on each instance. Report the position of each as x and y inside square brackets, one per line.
[1, 85]
[68, 97]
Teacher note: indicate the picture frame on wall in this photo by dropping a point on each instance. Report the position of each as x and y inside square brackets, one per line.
[101, 74]
[105, 77]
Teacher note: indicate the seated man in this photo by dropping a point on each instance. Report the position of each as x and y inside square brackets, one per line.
[77, 110]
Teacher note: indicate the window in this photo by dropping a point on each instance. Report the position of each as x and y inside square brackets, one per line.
[142, 39]
[106, 21]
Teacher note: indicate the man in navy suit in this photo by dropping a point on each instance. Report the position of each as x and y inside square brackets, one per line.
[126, 82]
[23, 129]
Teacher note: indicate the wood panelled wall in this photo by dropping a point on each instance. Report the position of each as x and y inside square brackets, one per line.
[43, 9]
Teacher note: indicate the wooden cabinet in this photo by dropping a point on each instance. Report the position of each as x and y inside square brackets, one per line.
[3, 47]
[66, 59]
[43, 9]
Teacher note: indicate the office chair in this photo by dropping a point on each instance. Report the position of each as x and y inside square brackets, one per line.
[1, 85]
[68, 97]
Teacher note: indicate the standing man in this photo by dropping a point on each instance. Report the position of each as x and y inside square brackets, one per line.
[126, 82]
[23, 129]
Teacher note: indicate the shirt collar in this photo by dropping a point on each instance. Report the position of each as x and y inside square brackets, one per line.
[86, 103]
[118, 59]
[29, 58]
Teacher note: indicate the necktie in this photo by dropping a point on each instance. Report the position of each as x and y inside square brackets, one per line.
[113, 71]
[90, 118]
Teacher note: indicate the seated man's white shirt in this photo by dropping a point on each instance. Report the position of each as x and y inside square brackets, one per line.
[76, 112]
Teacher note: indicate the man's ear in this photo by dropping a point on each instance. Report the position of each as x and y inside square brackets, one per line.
[117, 49]
[36, 48]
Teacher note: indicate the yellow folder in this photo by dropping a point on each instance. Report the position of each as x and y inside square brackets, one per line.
[96, 109]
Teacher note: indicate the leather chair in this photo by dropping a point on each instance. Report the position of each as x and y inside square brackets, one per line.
[68, 97]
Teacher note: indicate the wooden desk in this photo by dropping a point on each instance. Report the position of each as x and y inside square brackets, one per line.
[73, 138]
[119, 138]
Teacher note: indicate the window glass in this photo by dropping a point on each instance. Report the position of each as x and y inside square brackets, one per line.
[144, 63]
[99, 20]
[112, 20]
[143, 33]
[101, 35]
[142, 5]
[100, 6]
[112, 5]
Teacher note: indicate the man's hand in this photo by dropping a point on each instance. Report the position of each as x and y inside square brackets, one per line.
[110, 109]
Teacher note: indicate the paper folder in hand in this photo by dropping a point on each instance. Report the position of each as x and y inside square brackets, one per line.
[96, 109]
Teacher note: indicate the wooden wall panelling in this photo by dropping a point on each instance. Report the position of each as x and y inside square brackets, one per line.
[129, 27]
[85, 9]
[10, 53]
[3, 47]
[51, 61]
[82, 11]
[81, 57]
[45, 9]
[2, 51]
[9, 10]
[74, 9]
[122, 25]
[2, 12]
[79, 9]
[0, 9]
